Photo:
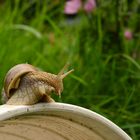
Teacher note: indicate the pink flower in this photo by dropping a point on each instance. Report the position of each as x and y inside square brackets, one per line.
[128, 34]
[90, 5]
[72, 7]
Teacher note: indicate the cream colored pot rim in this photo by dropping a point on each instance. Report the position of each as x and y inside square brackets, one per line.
[76, 113]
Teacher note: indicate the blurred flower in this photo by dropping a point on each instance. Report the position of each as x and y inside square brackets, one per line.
[128, 34]
[72, 7]
[90, 5]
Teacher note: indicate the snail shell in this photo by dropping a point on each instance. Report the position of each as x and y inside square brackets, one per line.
[13, 76]
[26, 85]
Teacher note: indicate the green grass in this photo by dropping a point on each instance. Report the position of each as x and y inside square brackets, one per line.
[107, 67]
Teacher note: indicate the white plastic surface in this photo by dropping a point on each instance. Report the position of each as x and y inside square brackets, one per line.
[95, 122]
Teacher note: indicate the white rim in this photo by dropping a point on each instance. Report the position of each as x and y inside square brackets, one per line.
[9, 111]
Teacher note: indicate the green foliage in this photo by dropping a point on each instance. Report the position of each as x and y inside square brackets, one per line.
[107, 66]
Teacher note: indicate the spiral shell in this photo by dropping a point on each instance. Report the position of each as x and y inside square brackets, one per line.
[12, 78]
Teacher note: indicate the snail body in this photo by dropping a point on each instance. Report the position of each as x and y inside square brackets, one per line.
[24, 84]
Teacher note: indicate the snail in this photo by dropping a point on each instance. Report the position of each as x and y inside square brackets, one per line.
[25, 84]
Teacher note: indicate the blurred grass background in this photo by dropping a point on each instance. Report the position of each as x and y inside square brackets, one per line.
[107, 65]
